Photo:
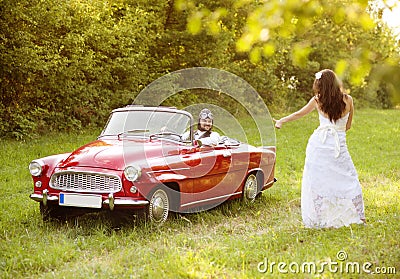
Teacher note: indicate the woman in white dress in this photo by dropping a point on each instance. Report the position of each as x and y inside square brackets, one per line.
[331, 194]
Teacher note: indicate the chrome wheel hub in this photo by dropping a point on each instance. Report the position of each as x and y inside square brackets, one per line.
[159, 206]
[250, 188]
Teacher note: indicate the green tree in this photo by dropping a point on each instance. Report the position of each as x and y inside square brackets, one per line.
[305, 36]
[67, 64]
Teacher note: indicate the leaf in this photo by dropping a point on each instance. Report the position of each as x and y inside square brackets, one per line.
[341, 67]
[268, 49]
[194, 23]
[300, 53]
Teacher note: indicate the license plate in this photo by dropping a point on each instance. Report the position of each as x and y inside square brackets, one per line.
[80, 200]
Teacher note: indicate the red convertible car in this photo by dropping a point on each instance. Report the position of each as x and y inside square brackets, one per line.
[140, 161]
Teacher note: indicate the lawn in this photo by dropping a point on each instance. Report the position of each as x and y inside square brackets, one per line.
[260, 240]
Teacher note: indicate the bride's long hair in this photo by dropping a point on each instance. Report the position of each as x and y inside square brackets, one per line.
[329, 94]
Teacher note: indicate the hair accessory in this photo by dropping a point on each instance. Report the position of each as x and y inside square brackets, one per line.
[318, 75]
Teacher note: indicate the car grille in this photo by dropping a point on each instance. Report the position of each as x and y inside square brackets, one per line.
[86, 182]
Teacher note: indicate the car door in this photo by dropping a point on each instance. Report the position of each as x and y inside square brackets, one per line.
[210, 182]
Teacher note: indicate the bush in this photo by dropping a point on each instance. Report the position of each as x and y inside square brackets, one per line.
[65, 65]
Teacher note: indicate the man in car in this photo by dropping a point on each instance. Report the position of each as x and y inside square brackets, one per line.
[204, 132]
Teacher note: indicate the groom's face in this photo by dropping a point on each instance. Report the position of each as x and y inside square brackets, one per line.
[205, 124]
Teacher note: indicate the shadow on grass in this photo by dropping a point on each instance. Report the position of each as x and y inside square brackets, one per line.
[127, 220]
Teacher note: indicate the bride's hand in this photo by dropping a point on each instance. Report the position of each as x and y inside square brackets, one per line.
[278, 123]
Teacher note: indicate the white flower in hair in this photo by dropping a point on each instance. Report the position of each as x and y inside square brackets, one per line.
[318, 75]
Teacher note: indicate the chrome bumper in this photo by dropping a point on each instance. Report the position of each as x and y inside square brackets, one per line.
[44, 197]
[111, 201]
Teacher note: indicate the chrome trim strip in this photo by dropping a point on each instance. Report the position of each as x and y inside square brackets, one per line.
[39, 197]
[153, 109]
[169, 170]
[86, 172]
[220, 197]
[271, 182]
[211, 199]
[117, 202]
[123, 202]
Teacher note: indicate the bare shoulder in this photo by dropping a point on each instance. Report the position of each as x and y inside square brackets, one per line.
[349, 103]
[348, 99]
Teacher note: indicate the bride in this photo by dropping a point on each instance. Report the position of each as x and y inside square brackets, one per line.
[331, 194]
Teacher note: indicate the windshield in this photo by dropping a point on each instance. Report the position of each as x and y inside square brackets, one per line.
[146, 122]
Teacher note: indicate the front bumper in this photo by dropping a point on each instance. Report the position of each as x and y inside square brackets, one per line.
[111, 201]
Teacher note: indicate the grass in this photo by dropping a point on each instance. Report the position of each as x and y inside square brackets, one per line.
[230, 241]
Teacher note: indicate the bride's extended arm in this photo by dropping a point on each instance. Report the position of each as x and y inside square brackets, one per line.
[309, 107]
[350, 119]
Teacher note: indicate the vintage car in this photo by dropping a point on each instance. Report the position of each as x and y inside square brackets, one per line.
[141, 162]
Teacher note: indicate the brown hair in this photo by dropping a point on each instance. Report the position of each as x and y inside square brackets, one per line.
[329, 95]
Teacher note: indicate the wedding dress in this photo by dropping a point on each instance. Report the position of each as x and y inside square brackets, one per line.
[331, 194]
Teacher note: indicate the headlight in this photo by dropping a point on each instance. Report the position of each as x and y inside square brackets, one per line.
[36, 167]
[132, 173]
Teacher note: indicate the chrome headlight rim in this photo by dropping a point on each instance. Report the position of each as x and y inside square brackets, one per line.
[36, 167]
[132, 172]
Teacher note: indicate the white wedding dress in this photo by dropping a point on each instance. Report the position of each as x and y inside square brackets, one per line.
[331, 193]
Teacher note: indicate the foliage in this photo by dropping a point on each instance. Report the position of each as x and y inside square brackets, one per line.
[66, 64]
[306, 36]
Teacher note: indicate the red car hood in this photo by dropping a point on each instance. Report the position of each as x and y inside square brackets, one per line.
[114, 154]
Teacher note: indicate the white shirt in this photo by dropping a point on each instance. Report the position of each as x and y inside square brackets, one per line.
[213, 139]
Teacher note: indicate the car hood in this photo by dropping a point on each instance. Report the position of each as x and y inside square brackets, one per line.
[116, 154]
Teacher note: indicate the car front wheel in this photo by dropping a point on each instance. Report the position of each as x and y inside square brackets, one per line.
[250, 188]
[159, 204]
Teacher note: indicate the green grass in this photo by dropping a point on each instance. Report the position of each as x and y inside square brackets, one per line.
[226, 242]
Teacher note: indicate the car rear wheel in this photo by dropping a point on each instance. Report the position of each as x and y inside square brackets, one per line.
[250, 188]
[159, 205]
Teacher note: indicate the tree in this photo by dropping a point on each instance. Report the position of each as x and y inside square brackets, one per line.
[67, 64]
[306, 36]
